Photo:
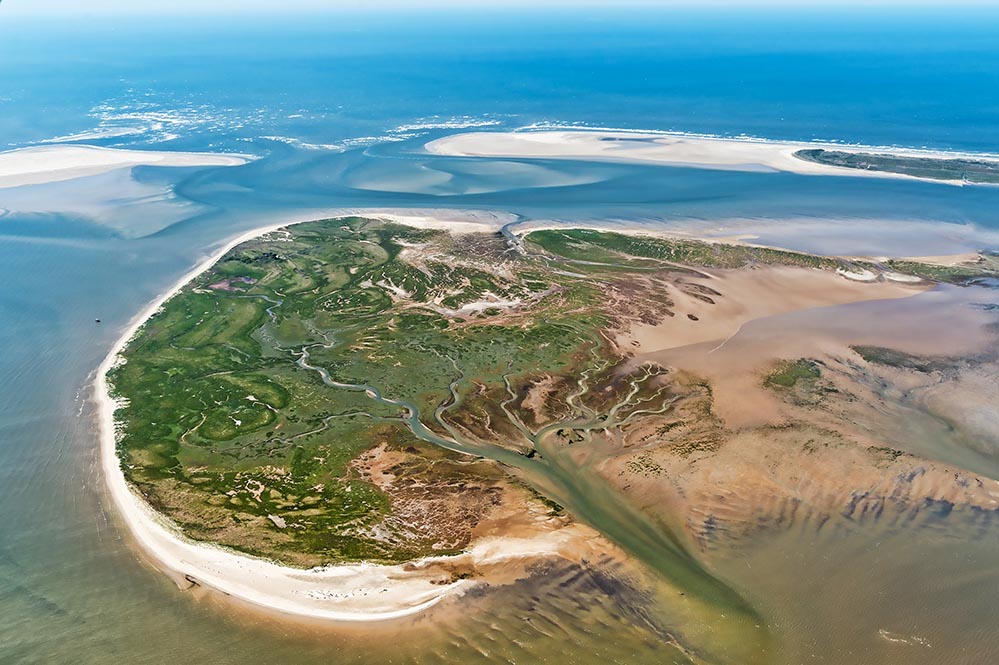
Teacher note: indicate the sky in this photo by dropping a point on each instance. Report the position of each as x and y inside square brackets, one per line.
[77, 7]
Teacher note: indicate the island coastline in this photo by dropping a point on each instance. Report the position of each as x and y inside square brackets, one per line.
[406, 589]
[338, 593]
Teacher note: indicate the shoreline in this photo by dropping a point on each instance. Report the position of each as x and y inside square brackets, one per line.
[675, 149]
[361, 592]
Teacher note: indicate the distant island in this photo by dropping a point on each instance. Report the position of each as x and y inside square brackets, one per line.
[971, 171]
[723, 153]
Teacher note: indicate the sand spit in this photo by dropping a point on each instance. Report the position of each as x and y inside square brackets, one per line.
[38, 165]
[354, 593]
[663, 148]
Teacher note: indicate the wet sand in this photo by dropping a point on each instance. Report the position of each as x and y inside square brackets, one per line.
[33, 166]
[867, 442]
[748, 294]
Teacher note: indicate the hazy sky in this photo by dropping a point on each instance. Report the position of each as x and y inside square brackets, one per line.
[55, 7]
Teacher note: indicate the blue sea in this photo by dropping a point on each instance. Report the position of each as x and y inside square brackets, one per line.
[335, 108]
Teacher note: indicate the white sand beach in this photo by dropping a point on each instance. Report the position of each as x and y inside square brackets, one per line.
[53, 163]
[455, 221]
[361, 592]
[663, 148]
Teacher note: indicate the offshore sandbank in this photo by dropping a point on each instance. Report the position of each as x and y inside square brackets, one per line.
[54, 163]
[673, 149]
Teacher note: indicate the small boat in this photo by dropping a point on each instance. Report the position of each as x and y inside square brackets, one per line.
[97, 320]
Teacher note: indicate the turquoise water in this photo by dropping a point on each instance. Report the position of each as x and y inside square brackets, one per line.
[337, 109]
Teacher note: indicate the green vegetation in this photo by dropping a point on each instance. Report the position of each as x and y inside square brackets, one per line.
[286, 401]
[590, 250]
[935, 168]
[799, 382]
[231, 428]
[788, 373]
[880, 355]
[985, 266]
[633, 251]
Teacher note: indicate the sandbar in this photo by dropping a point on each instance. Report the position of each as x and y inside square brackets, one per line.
[668, 149]
[54, 163]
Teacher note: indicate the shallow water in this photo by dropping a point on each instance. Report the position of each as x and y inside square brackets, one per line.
[71, 587]
[909, 592]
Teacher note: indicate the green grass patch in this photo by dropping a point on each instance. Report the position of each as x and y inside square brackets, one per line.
[788, 373]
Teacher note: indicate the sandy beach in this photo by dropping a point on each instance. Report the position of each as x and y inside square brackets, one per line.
[53, 163]
[455, 221]
[666, 149]
[359, 592]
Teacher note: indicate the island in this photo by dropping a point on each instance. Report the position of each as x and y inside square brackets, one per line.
[965, 170]
[355, 418]
[677, 149]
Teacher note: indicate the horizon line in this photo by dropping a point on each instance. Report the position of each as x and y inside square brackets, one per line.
[54, 9]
